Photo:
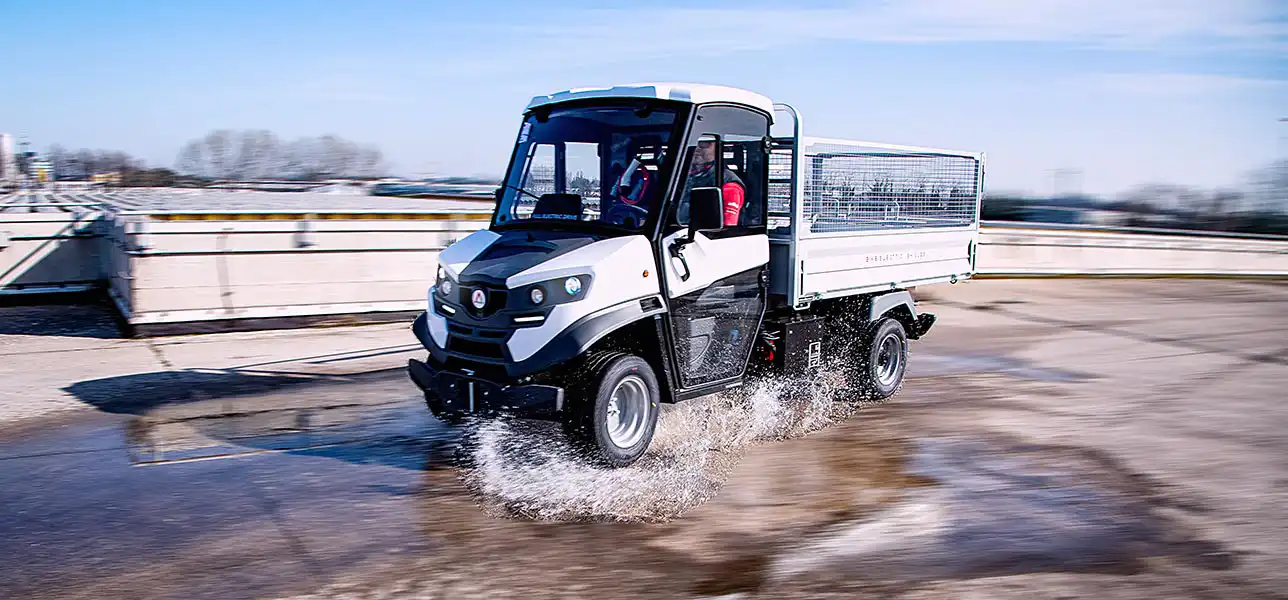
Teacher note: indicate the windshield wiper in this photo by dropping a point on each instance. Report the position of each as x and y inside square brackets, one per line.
[521, 190]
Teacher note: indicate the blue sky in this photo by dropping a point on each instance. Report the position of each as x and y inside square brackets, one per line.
[1128, 92]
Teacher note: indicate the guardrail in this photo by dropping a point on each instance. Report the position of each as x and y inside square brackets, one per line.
[1019, 250]
[1203, 233]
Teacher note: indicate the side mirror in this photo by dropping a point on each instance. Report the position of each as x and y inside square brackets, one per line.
[496, 195]
[706, 210]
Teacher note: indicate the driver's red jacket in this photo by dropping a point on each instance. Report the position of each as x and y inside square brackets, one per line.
[733, 199]
[732, 191]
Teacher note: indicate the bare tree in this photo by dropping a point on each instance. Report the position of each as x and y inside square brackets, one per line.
[58, 159]
[259, 154]
[338, 155]
[304, 159]
[192, 159]
[369, 163]
[1269, 186]
[219, 153]
[88, 162]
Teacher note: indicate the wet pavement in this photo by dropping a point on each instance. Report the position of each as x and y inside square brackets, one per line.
[1125, 455]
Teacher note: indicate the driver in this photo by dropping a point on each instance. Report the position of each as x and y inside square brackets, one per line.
[702, 174]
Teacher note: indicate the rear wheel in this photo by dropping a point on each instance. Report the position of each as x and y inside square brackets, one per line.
[616, 411]
[885, 359]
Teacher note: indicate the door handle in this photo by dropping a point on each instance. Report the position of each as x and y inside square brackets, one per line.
[677, 251]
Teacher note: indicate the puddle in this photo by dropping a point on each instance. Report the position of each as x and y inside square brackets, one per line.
[528, 469]
[1004, 509]
[396, 434]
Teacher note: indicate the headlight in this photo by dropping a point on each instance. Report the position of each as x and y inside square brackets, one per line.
[551, 292]
[444, 283]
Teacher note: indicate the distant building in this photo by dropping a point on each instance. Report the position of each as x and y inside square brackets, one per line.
[42, 171]
[111, 177]
[8, 160]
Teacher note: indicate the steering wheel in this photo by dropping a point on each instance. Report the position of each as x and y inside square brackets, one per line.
[622, 213]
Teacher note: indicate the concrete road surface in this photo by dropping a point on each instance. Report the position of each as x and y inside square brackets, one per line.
[1071, 438]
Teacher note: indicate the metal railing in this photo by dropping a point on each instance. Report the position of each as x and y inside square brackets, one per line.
[855, 186]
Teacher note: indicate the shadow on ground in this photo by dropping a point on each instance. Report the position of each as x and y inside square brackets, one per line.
[139, 393]
[177, 416]
[77, 316]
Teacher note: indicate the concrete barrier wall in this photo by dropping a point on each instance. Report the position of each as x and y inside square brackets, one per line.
[189, 270]
[49, 252]
[1029, 251]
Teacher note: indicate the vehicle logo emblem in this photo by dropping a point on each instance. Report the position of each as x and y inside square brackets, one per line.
[478, 298]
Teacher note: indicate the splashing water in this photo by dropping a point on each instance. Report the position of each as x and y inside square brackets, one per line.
[528, 469]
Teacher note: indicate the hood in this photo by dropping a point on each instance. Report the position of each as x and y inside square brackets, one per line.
[513, 252]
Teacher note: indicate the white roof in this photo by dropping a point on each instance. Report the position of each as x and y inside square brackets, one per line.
[697, 93]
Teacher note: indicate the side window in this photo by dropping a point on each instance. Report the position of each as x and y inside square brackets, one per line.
[700, 171]
[736, 165]
[731, 155]
[744, 175]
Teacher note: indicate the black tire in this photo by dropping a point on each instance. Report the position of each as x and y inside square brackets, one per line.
[588, 424]
[884, 359]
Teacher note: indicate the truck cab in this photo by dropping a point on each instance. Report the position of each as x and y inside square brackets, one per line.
[627, 264]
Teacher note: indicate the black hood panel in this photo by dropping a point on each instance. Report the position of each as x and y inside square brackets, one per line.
[518, 251]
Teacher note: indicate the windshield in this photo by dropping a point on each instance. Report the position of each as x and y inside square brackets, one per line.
[604, 165]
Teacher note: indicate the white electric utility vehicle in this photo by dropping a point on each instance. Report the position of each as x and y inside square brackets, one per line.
[655, 243]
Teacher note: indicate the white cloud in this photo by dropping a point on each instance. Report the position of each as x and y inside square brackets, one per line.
[1090, 22]
[571, 39]
[1176, 84]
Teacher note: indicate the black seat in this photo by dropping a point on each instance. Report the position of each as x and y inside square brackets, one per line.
[558, 204]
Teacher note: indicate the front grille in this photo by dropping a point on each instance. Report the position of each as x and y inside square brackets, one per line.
[471, 332]
[475, 348]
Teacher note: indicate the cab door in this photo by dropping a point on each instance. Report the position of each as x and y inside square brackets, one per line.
[716, 281]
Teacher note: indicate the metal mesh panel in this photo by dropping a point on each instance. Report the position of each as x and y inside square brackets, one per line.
[780, 189]
[851, 187]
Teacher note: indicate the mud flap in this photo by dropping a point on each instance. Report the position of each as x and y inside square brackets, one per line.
[923, 323]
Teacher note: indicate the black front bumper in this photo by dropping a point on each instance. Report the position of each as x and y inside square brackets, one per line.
[451, 392]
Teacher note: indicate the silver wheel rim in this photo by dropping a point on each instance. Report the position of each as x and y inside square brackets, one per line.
[628, 410]
[889, 359]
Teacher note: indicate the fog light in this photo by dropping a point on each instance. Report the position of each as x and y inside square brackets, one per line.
[572, 285]
[445, 287]
[537, 295]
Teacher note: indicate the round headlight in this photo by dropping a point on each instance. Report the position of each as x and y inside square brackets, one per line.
[572, 285]
[445, 287]
[537, 295]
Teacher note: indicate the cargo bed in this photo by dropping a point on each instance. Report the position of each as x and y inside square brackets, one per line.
[849, 217]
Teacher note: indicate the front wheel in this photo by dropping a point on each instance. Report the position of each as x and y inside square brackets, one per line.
[616, 413]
